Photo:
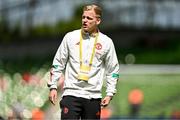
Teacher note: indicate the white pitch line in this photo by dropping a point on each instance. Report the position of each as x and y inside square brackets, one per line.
[149, 69]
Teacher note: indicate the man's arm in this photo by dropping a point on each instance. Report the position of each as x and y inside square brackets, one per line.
[58, 66]
[112, 74]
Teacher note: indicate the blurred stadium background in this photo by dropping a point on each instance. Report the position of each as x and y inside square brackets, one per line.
[146, 35]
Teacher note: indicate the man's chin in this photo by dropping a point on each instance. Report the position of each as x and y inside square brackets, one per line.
[85, 30]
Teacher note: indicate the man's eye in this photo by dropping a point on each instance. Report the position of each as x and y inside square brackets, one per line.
[89, 18]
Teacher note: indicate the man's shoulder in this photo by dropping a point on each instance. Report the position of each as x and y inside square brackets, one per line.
[72, 35]
[74, 32]
[105, 37]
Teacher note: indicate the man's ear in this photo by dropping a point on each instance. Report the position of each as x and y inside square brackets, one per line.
[98, 21]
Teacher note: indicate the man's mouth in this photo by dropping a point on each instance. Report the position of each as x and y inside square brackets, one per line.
[84, 25]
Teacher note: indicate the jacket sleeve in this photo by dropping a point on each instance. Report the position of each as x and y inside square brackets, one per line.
[59, 63]
[112, 70]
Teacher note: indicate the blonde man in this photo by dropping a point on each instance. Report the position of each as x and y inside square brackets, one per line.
[85, 55]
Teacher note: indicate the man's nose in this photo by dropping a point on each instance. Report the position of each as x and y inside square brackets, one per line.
[85, 19]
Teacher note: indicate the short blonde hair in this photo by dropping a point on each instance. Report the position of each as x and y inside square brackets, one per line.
[97, 9]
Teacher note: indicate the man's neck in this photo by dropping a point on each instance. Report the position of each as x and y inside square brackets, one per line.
[92, 34]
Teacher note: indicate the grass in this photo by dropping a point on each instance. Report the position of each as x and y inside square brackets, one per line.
[161, 94]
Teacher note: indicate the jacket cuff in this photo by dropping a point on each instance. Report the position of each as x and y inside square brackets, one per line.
[53, 87]
[109, 94]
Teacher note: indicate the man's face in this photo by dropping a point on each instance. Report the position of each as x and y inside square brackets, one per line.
[90, 21]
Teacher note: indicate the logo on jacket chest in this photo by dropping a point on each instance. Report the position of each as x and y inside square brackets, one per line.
[77, 43]
[98, 46]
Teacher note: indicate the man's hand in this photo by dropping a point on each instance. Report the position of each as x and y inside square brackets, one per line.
[105, 102]
[53, 96]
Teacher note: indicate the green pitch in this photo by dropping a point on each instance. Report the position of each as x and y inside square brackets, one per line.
[161, 94]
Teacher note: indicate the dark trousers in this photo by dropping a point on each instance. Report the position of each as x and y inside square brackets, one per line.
[134, 110]
[80, 108]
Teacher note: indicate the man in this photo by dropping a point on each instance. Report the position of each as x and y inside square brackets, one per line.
[85, 56]
[135, 98]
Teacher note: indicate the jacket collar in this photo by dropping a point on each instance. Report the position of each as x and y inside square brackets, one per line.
[86, 34]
